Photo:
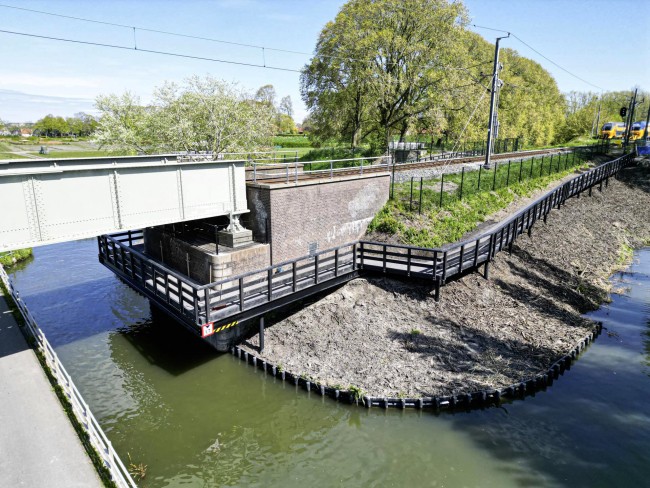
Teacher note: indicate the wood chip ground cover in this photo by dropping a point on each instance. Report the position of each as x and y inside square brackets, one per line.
[390, 338]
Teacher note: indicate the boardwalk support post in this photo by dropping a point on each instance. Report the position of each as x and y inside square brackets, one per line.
[262, 333]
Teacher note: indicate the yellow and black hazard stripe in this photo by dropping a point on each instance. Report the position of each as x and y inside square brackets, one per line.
[227, 326]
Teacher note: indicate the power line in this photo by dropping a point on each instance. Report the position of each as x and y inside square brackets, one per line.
[114, 24]
[489, 28]
[152, 51]
[210, 39]
[551, 61]
[254, 46]
[539, 53]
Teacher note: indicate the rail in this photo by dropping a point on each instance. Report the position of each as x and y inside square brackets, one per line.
[327, 168]
[247, 295]
[441, 264]
[199, 304]
[178, 293]
[98, 439]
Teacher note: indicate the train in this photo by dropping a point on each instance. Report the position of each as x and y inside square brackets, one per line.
[638, 131]
[612, 130]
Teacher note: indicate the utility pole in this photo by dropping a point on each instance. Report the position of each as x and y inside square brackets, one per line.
[495, 85]
[630, 120]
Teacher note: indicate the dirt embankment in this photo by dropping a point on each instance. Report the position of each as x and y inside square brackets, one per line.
[390, 338]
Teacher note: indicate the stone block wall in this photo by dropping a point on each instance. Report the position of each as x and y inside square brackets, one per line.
[204, 266]
[319, 214]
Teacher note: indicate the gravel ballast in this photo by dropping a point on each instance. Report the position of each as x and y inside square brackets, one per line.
[390, 338]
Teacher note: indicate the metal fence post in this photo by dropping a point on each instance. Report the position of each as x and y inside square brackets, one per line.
[462, 181]
[532, 165]
[420, 206]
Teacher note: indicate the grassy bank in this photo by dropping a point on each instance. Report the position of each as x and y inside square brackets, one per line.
[445, 215]
[9, 258]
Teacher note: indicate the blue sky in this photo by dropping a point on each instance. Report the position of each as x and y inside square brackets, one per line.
[603, 42]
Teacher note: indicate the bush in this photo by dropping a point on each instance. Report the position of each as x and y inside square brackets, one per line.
[386, 224]
[12, 257]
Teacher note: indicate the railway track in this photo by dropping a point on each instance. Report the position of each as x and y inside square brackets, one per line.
[294, 172]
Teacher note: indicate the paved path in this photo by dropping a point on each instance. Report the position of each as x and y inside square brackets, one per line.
[38, 445]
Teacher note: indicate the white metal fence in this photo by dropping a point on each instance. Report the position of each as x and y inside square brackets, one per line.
[82, 412]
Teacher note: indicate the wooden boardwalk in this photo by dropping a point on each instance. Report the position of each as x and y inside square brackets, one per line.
[253, 294]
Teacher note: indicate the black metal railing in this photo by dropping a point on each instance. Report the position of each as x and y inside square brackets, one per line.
[240, 296]
[440, 264]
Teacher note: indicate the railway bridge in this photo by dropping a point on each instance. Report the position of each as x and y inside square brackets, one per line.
[59, 200]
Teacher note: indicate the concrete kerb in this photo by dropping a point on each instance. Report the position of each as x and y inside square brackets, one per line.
[478, 399]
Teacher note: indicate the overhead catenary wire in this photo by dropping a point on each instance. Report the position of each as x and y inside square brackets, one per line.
[515, 36]
[221, 41]
[266, 48]
[468, 121]
[151, 51]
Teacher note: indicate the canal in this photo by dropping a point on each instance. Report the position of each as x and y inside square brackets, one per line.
[198, 418]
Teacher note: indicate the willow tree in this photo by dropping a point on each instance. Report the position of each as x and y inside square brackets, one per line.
[378, 63]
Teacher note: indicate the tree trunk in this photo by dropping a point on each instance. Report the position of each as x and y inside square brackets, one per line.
[402, 132]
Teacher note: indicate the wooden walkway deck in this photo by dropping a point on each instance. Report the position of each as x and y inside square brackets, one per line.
[253, 294]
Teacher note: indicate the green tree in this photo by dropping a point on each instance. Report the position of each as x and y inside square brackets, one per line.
[202, 114]
[51, 126]
[286, 106]
[266, 94]
[382, 60]
[125, 124]
[75, 125]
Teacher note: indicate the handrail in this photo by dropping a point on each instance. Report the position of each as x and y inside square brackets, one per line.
[288, 171]
[438, 264]
[80, 408]
[504, 234]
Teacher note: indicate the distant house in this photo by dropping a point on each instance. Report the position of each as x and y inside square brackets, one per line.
[26, 132]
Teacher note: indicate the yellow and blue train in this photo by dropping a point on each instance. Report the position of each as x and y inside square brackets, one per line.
[638, 131]
[612, 130]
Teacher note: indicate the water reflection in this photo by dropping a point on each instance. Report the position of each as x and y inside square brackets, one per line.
[201, 418]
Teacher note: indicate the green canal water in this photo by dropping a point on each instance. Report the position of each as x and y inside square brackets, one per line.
[198, 418]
